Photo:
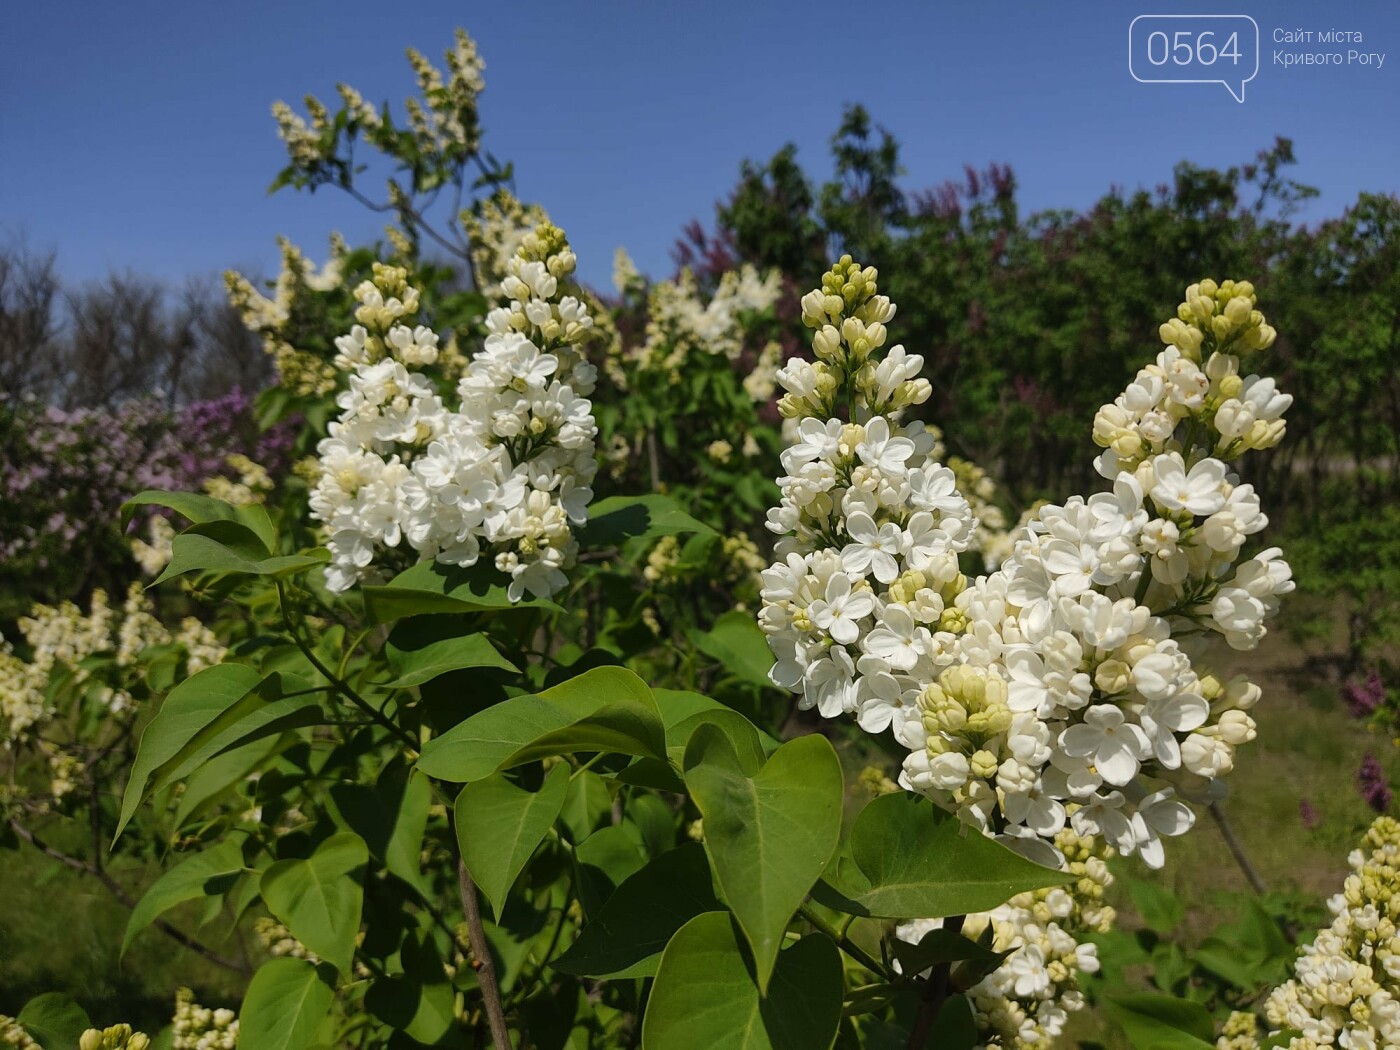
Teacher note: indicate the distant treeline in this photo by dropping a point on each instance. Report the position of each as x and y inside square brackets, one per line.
[1030, 322]
[122, 338]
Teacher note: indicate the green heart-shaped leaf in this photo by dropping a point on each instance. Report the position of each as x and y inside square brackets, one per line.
[769, 831]
[706, 995]
[499, 825]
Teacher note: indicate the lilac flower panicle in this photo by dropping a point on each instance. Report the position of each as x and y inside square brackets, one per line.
[1372, 783]
[1363, 698]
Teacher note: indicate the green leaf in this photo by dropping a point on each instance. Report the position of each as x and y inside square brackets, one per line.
[285, 1005]
[605, 709]
[204, 723]
[54, 1021]
[587, 807]
[945, 946]
[683, 712]
[209, 873]
[229, 546]
[320, 898]
[424, 1010]
[215, 778]
[499, 826]
[201, 509]
[391, 816]
[769, 831]
[738, 643]
[429, 587]
[1159, 907]
[654, 823]
[613, 521]
[421, 648]
[1161, 1022]
[955, 1028]
[421, 1001]
[606, 859]
[628, 935]
[188, 708]
[907, 859]
[705, 995]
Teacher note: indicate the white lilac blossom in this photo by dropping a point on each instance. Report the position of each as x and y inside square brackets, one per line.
[1025, 1002]
[1345, 989]
[496, 227]
[870, 523]
[196, 1027]
[1070, 686]
[682, 322]
[37, 694]
[505, 474]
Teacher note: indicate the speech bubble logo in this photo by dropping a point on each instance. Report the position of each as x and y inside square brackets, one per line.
[1194, 49]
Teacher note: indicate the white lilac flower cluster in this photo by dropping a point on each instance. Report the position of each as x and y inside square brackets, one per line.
[450, 123]
[155, 551]
[251, 485]
[870, 523]
[1026, 1001]
[12, 1034]
[197, 1027]
[495, 228]
[1047, 692]
[682, 322]
[60, 640]
[505, 474]
[1345, 989]
[278, 941]
[270, 317]
[991, 539]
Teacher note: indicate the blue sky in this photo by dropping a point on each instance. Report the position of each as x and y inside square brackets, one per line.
[136, 135]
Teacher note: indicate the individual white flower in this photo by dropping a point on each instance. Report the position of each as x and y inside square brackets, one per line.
[840, 608]
[873, 548]
[883, 450]
[899, 640]
[1115, 745]
[1201, 490]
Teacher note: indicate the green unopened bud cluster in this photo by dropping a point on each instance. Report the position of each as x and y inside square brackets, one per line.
[197, 1027]
[848, 318]
[12, 1034]
[1193, 399]
[117, 1037]
[1218, 318]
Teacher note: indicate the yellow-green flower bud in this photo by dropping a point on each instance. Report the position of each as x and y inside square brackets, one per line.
[983, 764]
[1113, 676]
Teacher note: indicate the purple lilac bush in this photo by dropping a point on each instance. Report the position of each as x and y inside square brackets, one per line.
[65, 475]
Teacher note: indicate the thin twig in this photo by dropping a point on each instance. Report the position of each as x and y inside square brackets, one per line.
[849, 946]
[653, 461]
[85, 868]
[935, 993]
[481, 954]
[1251, 874]
[341, 686]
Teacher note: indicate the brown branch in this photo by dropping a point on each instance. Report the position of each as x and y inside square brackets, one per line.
[1227, 832]
[127, 900]
[481, 956]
